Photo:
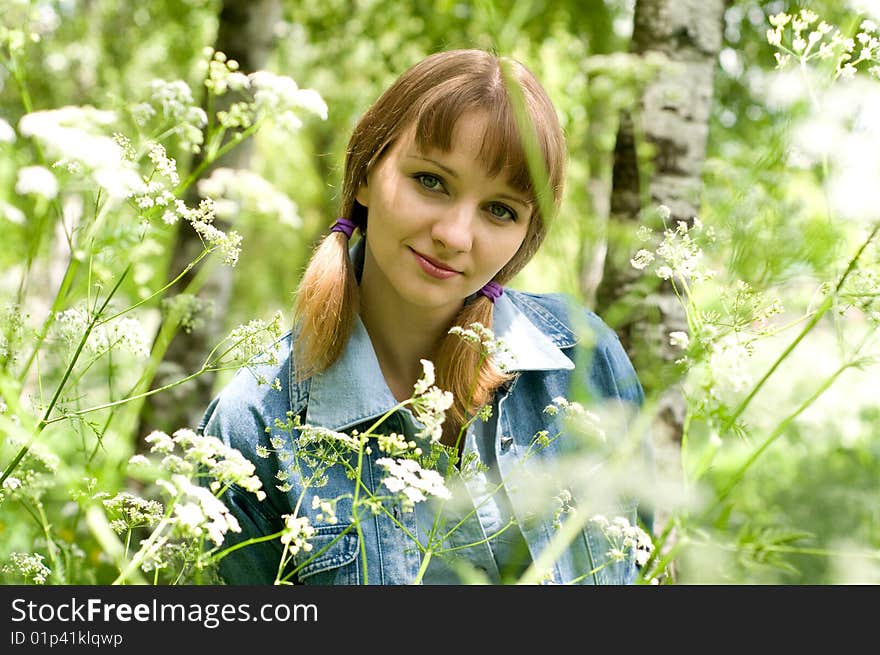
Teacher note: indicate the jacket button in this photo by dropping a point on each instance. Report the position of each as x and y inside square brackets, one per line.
[506, 441]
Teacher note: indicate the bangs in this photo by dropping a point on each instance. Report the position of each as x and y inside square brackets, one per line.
[501, 151]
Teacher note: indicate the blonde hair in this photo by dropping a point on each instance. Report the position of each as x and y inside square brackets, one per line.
[432, 96]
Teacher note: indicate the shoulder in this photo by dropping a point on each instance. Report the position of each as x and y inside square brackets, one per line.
[562, 318]
[256, 395]
[583, 336]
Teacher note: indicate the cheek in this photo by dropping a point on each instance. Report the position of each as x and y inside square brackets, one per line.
[499, 249]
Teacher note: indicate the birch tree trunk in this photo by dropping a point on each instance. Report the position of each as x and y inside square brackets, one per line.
[671, 123]
[245, 33]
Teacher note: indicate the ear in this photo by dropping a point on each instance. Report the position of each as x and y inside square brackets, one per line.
[363, 194]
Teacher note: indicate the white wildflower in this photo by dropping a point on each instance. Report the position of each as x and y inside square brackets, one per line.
[7, 134]
[484, 340]
[310, 434]
[728, 362]
[160, 442]
[407, 477]
[679, 339]
[327, 510]
[165, 165]
[134, 511]
[255, 341]
[138, 460]
[641, 259]
[297, 532]
[36, 180]
[430, 410]
[624, 540]
[237, 191]
[75, 137]
[198, 512]
[427, 379]
[29, 566]
[279, 98]
[11, 213]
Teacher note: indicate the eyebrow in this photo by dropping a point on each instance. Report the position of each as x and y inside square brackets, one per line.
[504, 196]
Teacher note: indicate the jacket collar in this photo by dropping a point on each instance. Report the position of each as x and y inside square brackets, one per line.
[353, 390]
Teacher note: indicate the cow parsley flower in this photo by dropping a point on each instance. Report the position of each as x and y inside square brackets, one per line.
[297, 532]
[407, 477]
[241, 191]
[36, 180]
[75, 137]
[29, 566]
[7, 134]
[624, 540]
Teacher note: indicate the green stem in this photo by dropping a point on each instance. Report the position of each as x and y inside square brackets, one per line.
[45, 420]
[780, 429]
[159, 292]
[824, 307]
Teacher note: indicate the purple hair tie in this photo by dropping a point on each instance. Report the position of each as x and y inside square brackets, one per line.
[492, 290]
[345, 226]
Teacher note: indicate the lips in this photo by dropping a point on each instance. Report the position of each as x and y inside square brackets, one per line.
[434, 268]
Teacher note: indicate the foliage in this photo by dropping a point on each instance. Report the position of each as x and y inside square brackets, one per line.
[102, 107]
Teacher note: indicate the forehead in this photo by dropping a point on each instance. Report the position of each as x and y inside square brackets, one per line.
[466, 137]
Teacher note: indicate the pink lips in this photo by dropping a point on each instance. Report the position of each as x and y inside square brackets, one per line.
[433, 268]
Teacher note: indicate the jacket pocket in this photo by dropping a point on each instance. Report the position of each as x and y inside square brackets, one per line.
[333, 559]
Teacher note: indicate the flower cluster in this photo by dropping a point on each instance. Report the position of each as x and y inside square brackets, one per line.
[485, 341]
[197, 512]
[36, 180]
[189, 310]
[860, 291]
[75, 137]
[28, 566]
[328, 510]
[799, 37]
[415, 484]
[202, 455]
[625, 540]
[132, 512]
[429, 404]
[172, 105]
[13, 321]
[269, 96]
[310, 434]
[297, 532]
[396, 444]
[202, 220]
[678, 255]
[255, 342]
[160, 184]
[35, 475]
[122, 334]
[581, 421]
[241, 191]
[565, 406]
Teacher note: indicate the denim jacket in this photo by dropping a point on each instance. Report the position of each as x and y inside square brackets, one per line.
[554, 350]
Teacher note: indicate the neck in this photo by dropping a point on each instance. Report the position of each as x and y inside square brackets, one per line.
[401, 337]
[400, 344]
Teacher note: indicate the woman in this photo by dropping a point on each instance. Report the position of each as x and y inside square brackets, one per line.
[438, 211]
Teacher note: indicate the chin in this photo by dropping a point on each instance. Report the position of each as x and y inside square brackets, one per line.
[430, 297]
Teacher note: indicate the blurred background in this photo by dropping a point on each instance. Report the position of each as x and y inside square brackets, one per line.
[765, 422]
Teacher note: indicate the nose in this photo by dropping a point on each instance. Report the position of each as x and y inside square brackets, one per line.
[453, 229]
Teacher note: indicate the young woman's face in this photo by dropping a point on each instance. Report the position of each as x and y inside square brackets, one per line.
[439, 228]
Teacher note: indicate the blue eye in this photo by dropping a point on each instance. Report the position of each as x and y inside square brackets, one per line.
[430, 182]
[502, 211]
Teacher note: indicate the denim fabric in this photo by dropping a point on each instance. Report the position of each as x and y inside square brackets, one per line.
[555, 349]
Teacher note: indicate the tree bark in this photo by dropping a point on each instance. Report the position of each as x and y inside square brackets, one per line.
[245, 33]
[672, 120]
